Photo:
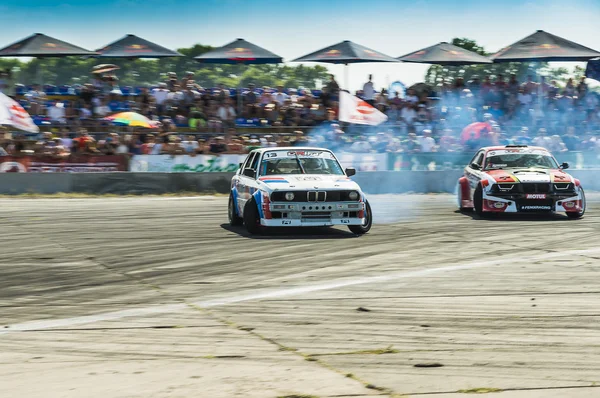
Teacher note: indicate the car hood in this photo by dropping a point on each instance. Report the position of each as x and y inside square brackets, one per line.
[529, 175]
[308, 182]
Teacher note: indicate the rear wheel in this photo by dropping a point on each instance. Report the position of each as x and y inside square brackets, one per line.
[478, 200]
[366, 225]
[234, 220]
[579, 214]
[251, 217]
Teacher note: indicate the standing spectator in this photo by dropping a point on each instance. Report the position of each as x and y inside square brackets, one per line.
[160, 95]
[218, 146]
[542, 139]
[226, 113]
[280, 96]
[369, 91]
[427, 142]
[56, 113]
[191, 145]
[570, 140]
[330, 91]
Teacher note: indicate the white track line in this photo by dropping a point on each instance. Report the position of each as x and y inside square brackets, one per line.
[259, 295]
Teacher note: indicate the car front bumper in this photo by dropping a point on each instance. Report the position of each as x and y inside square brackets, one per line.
[523, 204]
[313, 214]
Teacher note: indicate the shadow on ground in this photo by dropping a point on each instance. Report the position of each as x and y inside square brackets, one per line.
[293, 233]
[516, 216]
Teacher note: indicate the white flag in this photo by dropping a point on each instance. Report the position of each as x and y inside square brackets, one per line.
[354, 110]
[13, 114]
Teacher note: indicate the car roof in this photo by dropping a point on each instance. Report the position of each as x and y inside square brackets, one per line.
[291, 148]
[498, 148]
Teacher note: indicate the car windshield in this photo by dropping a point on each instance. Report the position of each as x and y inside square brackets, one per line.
[299, 162]
[520, 160]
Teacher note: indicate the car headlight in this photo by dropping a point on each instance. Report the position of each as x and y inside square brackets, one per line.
[289, 196]
[353, 195]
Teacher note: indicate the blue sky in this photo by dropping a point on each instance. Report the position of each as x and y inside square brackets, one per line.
[294, 28]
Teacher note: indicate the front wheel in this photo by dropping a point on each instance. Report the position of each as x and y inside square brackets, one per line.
[234, 220]
[251, 217]
[579, 214]
[478, 200]
[366, 225]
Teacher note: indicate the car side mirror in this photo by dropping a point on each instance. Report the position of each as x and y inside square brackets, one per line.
[475, 166]
[350, 171]
[250, 173]
[564, 166]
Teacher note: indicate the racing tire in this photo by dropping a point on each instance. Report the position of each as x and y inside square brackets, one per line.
[478, 200]
[366, 226]
[251, 217]
[234, 219]
[459, 200]
[579, 214]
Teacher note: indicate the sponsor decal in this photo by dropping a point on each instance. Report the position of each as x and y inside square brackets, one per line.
[240, 52]
[536, 207]
[330, 53]
[535, 196]
[12, 167]
[373, 53]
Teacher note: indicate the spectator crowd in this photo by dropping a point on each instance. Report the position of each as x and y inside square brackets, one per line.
[195, 120]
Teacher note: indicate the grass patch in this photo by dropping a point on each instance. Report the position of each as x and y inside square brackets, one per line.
[479, 390]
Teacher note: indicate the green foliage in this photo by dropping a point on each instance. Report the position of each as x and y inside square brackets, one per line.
[437, 74]
[134, 72]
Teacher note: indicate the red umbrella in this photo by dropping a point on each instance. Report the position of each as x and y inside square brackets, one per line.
[474, 128]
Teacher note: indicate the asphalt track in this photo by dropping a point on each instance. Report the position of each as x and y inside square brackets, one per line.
[159, 297]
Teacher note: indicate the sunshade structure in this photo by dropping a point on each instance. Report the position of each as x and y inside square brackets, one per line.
[39, 45]
[239, 51]
[132, 46]
[14, 115]
[544, 47]
[592, 70]
[346, 52]
[445, 54]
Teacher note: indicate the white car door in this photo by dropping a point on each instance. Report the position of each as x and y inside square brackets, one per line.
[247, 179]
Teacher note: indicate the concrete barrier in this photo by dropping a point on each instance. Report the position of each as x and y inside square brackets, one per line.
[374, 182]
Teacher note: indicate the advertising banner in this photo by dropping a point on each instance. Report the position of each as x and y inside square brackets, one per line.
[71, 164]
[185, 163]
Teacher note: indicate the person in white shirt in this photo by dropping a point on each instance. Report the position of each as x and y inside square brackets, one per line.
[56, 113]
[191, 145]
[411, 97]
[408, 113]
[280, 96]
[361, 146]
[542, 139]
[160, 95]
[226, 112]
[427, 142]
[369, 91]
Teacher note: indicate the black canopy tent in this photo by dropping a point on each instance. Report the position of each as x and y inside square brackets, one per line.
[445, 54]
[542, 46]
[39, 45]
[238, 52]
[345, 52]
[132, 46]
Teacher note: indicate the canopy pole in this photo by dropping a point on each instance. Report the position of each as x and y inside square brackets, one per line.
[346, 86]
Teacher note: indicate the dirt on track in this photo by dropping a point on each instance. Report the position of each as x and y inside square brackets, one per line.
[159, 297]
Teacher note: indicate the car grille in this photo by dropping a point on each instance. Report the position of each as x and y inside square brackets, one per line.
[534, 187]
[312, 196]
[316, 216]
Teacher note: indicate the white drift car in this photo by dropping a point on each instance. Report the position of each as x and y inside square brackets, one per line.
[296, 187]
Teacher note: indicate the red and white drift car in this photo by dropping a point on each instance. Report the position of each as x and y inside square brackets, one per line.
[518, 178]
